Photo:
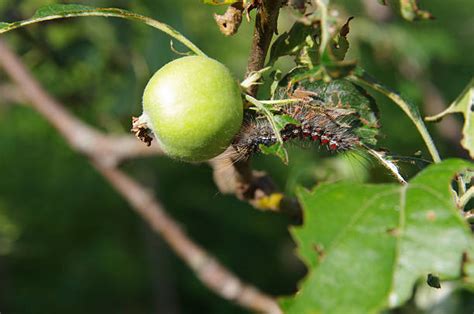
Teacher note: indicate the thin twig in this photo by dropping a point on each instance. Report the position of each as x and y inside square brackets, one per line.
[104, 152]
[265, 26]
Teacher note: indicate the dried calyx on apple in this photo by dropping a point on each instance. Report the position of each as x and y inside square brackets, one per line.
[193, 107]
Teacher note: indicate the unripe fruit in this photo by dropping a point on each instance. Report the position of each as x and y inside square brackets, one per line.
[194, 108]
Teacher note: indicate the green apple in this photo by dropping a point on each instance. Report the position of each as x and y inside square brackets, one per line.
[194, 108]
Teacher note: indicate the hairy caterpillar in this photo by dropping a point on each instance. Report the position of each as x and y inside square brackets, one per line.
[333, 128]
[337, 115]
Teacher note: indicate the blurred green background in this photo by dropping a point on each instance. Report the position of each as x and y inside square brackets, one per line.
[69, 243]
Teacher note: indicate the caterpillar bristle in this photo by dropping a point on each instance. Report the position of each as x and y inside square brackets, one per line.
[358, 155]
[227, 159]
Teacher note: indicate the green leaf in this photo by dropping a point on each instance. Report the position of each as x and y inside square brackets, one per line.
[410, 11]
[59, 11]
[366, 246]
[283, 120]
[298, 41]
[339, 44]
[276, 149]
[463, 104]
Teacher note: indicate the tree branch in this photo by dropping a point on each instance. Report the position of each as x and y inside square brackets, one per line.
[265, 26]
[105, 152]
